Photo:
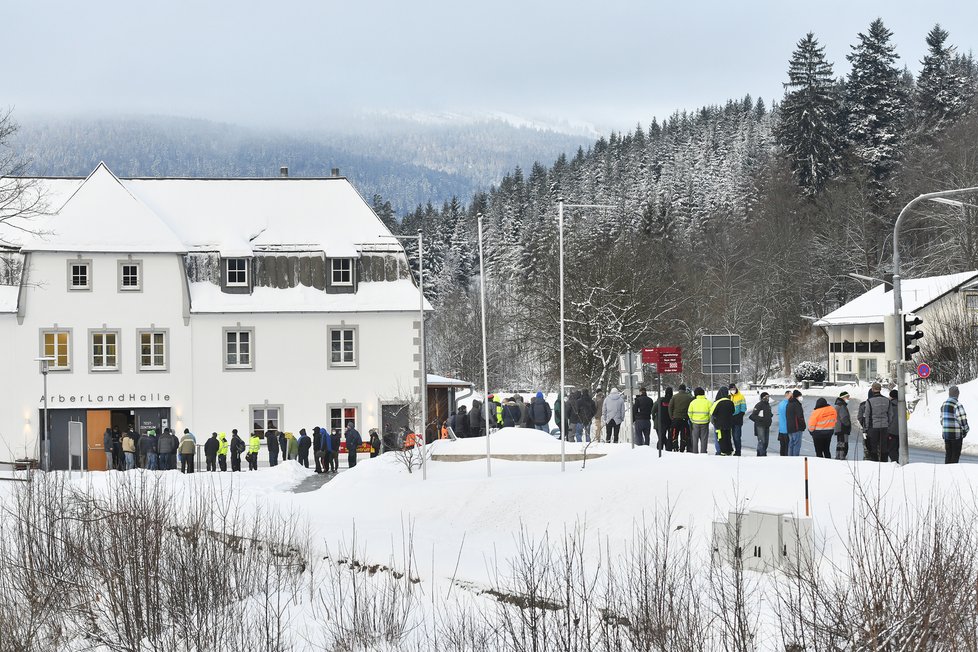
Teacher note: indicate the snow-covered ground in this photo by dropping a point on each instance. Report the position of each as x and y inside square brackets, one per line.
[466, 524]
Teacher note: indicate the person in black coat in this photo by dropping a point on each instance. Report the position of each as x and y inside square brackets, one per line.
[304, 445]
[271, 438]
[585, 414]
[663, 423]
[317, 447]
[477, 423]
[334, 450]
[763, 417]
[462, 422]
[795, 416]
[237, 446]
[893, 430]
[642, 411]
[722, 416]
[210, 452]
[540, 413]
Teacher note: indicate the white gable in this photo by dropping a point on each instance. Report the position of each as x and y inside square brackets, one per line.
[870, 307]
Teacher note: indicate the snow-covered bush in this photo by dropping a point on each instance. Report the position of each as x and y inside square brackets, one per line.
[809, 370]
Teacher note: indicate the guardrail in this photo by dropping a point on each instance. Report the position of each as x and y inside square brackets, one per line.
[18, 470]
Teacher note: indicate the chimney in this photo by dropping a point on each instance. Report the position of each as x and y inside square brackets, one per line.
[283, 171]
[335, 172]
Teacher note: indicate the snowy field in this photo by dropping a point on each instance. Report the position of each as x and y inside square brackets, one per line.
[461, 535]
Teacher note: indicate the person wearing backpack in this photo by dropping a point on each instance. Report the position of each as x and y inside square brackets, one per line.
[236, 447]
[722, 415]
[353, 441]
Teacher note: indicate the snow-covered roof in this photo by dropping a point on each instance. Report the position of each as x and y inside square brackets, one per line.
[232, 216]
[434, 379]
[870, 307]
[8, 298]
[378, 296]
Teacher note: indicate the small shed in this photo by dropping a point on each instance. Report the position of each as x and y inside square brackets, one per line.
[441, 401]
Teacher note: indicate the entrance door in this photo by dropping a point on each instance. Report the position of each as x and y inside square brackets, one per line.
[57, 441]
[96, 423]
[393, 417]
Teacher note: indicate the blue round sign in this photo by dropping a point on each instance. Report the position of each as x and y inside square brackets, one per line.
[923, 370]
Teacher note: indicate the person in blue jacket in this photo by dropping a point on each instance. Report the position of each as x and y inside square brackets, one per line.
[783, 424]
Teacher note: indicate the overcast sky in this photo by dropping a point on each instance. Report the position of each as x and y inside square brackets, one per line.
[609, 63]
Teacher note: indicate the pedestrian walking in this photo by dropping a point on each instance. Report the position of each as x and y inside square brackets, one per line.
[954, 425]
[698, 412]
[188, 448]
[152, 445]
[585, 415]
[598, 410]
[146, 450]
[325, 451]
[254, 445]
[353, 441]
[477, 423]
[210, 452]
[288, 452]
[613, 414]
[795, 415]
[762, 418]
[679, 417]
[237, 447]
[643, 408]
[843, 426]
[303, 444]
[117, 459]
[783, 424]
[511, 413]
[540, 413]
[572, 420]
[317, 448]
[821, 425]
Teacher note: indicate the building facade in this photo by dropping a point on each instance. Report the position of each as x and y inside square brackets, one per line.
[856, 341]
[209, 304]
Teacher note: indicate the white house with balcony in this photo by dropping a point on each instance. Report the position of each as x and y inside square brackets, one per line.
[212, 304]
[857, 350]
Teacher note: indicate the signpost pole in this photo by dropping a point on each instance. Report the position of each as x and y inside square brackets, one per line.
[630, 367]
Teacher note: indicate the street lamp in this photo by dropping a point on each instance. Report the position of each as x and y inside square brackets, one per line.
[424, 376]
[45, 362]
[560, 236]
[485, 355]
[871, 279]
[944, 198]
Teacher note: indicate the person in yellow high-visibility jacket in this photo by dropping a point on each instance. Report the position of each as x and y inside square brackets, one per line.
[698, 414]
[821, 424]
[222, 451]
[254, 445]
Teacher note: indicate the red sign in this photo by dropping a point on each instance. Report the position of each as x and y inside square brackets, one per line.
[667, 359]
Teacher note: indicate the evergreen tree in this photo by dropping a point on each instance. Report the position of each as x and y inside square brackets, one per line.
[876, 101]
[808, 132]
[941, 92]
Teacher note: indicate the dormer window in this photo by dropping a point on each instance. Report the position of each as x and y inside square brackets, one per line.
[79, 275]
[237, 272]
[341, 271]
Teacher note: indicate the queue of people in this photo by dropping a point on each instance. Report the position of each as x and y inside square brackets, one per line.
[165, 451]
[682, 420]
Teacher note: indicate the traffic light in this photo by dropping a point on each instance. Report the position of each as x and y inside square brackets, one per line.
[910, 334]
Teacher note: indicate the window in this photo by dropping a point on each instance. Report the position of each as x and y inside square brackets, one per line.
[105, 356]
[342, 271]
[79, 275]
[238, 344]
[340, 416]
[849, 366]
[266, 418]
[342, 347]
[867, 369]
[130, 275]
[56, 344]
[237, 270]
[152, 350]
[972, 300]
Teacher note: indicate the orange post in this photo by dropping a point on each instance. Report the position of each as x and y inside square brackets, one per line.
[806, 487]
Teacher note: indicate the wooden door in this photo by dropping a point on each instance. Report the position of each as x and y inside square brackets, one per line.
[97, 422]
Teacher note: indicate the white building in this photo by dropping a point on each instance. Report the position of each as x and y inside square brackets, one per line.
[857, 349]
[212, 304]
[763, 540]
